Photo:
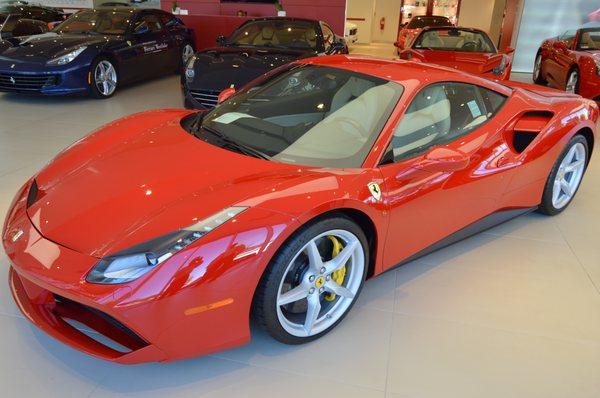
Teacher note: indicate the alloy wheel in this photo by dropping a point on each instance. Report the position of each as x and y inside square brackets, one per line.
[569, 175]
[105, 77]
[537, 67]
[186, 53]
[320, 283]
[572, 82]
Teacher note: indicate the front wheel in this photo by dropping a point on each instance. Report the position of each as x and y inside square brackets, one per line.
[104, 78]
[565, 177]
[572, 85]
[313, 281]
[187, 52]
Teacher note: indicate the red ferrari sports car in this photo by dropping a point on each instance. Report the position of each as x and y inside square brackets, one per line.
[467, 49]
[571, 62]
[412, 28]
[167, 230]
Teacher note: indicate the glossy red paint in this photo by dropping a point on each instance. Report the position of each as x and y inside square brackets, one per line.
[479, 63]
[560, 57]
[144, 176]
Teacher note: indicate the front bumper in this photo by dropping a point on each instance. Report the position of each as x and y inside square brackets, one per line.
[197, 304]
[45, 80]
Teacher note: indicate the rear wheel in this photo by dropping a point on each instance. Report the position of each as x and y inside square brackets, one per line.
[313, 281]
[537, 71]
[572, 85]
[104, 78]
[565, 177]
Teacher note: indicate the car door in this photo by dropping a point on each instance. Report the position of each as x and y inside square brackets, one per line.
[151, 42]
[435, 179]
[173, 26]
[556, 63]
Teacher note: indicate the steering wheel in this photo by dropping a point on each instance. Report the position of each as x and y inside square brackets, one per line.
[470, 46]
[359, 131]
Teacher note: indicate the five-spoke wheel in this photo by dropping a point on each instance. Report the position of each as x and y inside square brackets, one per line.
[313, 282]
[104, 78]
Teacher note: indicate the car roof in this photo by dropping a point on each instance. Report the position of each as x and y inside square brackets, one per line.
[410, 74]
[287, 19]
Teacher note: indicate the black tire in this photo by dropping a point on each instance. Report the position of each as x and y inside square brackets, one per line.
[540, 78]
[264, 307]
[93, 89]
[546, 206]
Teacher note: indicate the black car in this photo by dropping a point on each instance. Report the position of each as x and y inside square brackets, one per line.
[256, 47]
[22, 19]
[95, 52]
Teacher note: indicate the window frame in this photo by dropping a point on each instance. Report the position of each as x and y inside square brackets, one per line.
[382, 159]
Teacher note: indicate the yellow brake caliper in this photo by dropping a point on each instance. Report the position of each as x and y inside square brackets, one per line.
[337, 276]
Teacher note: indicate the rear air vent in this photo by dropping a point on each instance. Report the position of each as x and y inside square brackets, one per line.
[527, 128]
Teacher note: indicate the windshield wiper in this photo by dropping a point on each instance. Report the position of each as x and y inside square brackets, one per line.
[229, 143]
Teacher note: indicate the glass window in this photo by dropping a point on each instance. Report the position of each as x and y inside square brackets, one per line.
[106, 22]
[276, 33]
[309, 115]
[149, 20]
[328, 36]
[421, 22]
[439, 114]
[589, 40]
[455, 40]
[568, 37]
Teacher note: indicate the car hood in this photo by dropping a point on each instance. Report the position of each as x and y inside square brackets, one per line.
[126, 184]
[42, 48]
[466, 61]
[219, 68]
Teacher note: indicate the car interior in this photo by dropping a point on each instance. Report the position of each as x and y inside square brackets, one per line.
[454, 39]
[277, 34]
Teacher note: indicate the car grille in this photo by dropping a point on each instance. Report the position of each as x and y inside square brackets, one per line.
[207, 98]
[353, 31]
[23, 82]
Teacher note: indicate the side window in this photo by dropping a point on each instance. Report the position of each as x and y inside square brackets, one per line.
[328, 36]
[149, 20]
[439, 114]
[168, 20]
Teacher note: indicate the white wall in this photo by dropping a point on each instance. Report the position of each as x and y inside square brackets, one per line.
[361, 9]
[476, 14]
[390, 10]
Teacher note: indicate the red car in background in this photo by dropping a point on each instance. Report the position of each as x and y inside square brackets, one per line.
[571, 62]
[467, 49]
[412, 28]
[280, 202]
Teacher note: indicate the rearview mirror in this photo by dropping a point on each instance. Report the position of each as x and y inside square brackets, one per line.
[221, 40]
[509, 50]
[441, 159]
[225, 94]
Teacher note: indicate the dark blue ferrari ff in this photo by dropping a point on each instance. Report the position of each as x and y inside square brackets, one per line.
[95, 52]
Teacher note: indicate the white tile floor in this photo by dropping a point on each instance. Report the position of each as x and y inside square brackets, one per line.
[513, 312]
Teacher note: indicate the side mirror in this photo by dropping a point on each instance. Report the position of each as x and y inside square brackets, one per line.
[225, 94]
[337, 47]
[441, 159]
[221, 40]
[141, 29]
[509, 50]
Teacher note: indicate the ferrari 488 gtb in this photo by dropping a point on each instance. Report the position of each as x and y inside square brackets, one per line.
[167, 230]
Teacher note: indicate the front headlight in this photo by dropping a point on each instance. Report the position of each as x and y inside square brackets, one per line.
[189, 69]
[65, 59]
[138, 260]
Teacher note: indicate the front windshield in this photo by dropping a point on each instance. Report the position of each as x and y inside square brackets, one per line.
[273, 33]
[308, 115]
[454, 40]
[421, 22]
[106, 22]
[590, 39]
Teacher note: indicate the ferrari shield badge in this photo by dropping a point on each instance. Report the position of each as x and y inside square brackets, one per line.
[375, 190]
